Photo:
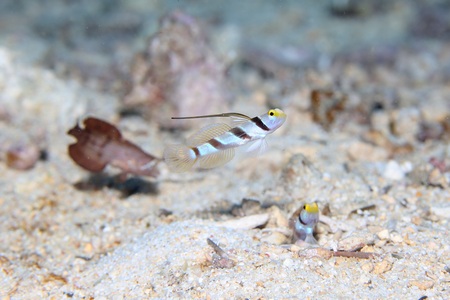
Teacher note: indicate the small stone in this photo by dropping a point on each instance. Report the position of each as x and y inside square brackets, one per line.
[22, 156]
[88, 248]
[364, 279]
[382, 267]
[434, 110]
[361, 151]
[422, 284]
[416, 220]
[396, 238]
[277, 218]
[248, 222]
[351, 243]
[383, 234]
[294, 248]
[405, 123]
[393, 171]
[441, 211]
[368, 249]
[315, 252]
[432, 246]
[408, 241]
[380, 121]
[288, 263]
[275, 238]
[380, 243]
[388, 199]
[436, 178]
[431, 276]
[367, 267]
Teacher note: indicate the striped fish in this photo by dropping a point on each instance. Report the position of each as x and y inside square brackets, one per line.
[303, 222]
[213, 145]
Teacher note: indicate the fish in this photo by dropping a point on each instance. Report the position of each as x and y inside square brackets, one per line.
[303, 222]
[214, 145]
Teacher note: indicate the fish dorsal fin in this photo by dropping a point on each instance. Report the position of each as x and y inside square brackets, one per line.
[222, 115]
[237, 120]
[217, 159]
[206, 133]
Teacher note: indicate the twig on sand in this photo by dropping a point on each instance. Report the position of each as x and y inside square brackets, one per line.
[362, 255]
[327, 254]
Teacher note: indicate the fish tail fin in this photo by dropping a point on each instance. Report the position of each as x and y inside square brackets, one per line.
[179, 158]
[310, 239]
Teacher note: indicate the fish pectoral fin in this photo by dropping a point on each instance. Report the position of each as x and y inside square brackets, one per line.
[217, 159]
[257, 147]
[206, 133]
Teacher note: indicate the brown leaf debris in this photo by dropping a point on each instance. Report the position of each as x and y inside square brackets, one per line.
[100, 143]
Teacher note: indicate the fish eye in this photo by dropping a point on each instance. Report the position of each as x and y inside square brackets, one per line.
[304, 206]
[271, 112]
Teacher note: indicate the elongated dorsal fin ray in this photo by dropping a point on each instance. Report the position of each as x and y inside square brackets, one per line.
[222, 115]
[206, 133]
[217, 159]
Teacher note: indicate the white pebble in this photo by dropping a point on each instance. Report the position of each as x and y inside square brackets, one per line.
[393, 171]
[396, 238]
[383, 234]
[288, 263]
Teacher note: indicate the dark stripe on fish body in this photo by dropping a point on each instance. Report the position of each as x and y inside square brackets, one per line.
[197, 153]
[238, 132]
[216, 143]
[301, 221]
[259, 123]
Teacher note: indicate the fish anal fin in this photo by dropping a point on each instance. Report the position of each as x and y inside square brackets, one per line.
[206, 133]
[217, 159]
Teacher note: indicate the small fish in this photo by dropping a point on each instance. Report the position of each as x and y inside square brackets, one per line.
[303, 222]
[213, 145]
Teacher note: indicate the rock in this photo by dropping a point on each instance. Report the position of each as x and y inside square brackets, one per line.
[351, 243]
[277, 218]
[396, 237]
[416, 220]
[381, 122]
[246, 223]
[406, 123]
[422, 284]
[393, 171]
[288, 263]
[434, 110]
[315, 252]
[276, 238]
[179, 74]
[367, 267]
[436, 178]
[383, 234]
[441, 211]
[382, 267]
[361, 151]
[364, 279]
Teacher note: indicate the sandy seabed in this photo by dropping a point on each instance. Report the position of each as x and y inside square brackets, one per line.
[379, 166]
